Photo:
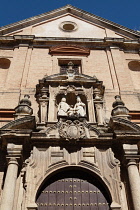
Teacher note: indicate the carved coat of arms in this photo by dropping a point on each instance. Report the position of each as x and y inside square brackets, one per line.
[72, 130]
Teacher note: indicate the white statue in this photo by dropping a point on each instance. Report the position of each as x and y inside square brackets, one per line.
[80, 108]
[71, 111]
[63, 107]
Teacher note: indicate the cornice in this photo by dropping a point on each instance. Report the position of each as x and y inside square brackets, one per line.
[47, 42]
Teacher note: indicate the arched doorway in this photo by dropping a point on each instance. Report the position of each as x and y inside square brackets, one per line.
[72, 190]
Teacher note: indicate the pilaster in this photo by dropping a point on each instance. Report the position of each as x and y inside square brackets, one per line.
[18, 65]
[43, 106]
[98, 107]
[121, 72]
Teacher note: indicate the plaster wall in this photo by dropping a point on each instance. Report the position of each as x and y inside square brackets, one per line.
[51, 28]
[135, 75]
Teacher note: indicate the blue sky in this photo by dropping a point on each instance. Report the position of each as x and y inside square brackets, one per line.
[124, 12]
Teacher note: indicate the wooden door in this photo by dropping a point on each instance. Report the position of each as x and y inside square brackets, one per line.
[71, 192]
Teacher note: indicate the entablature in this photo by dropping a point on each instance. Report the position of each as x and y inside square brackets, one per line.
[53, 42]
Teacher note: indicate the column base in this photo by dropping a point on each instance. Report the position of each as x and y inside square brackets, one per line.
[115, 206]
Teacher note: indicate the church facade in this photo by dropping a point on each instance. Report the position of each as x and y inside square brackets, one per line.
[69, 113]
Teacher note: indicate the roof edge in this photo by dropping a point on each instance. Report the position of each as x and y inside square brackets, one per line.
[60, 11]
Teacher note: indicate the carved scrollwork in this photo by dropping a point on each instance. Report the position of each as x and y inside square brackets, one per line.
[72, 130]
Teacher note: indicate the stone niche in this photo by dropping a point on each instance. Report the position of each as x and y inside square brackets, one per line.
[72, 86]
[71, 105]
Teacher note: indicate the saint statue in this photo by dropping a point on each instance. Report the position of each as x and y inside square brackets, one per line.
[63, 107]
[71, 111]
[80, 108]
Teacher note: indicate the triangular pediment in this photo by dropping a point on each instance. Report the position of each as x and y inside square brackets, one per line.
[44, 24]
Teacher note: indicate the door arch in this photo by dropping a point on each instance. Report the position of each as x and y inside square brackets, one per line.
[73, 190]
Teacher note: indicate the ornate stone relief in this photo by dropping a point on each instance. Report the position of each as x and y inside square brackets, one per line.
[64, 109]
[71, 99]
[43, 162]
[72, 130]
[69, 50]
[70, 85]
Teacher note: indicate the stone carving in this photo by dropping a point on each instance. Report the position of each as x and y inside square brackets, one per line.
[119, 109]
[24, 108]
[72, 130]
[78, 110]
[71, 111]
[70, 71]
[63, 107]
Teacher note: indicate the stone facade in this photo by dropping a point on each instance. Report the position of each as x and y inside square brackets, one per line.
[60, 72]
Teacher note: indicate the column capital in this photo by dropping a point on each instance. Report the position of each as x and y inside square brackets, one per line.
[14, 151]
[43, 100]
[99, 104]
[131, 153]
[14, 155]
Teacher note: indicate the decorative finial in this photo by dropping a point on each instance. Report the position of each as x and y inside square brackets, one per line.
[70, 65]
[25, 100]
[119, 109]
[24, 107]
[118, 101]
